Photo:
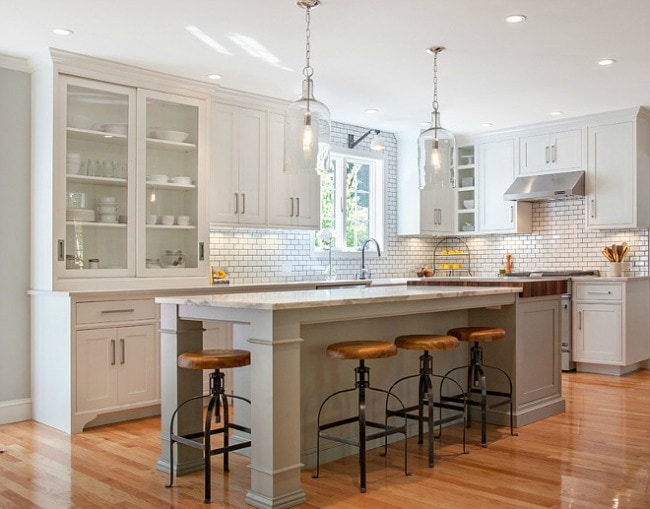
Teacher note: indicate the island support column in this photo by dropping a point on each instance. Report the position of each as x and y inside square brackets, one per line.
[177, 385]
[275, 411]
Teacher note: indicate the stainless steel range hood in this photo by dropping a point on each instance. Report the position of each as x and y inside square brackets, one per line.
[547, 186]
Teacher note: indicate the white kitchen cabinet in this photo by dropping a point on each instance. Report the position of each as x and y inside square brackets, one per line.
[496, 171]
[466, 190]
[115, 367]
[294, 200]
[554, 151]
[610, 325]
[239, 165]
[617, 172]
[437, 211]
[114, 164]
[115, 358]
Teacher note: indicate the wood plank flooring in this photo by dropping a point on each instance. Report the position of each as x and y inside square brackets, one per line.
[596, 455]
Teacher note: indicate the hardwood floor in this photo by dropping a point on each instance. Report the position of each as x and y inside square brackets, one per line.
[596, 455]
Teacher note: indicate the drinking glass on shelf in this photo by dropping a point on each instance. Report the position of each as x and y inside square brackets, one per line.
[94, 168]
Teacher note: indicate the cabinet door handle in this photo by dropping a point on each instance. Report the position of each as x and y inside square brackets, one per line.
[110, 311]
[511, 216]
[291, 215]
[297, 207]
[593, 208]
[123, 347]
[554, 153]
[243, 203]
[547, 154]
[579, 320]
[236, 203]
[201, 251]
[112, 352]
[61, 250]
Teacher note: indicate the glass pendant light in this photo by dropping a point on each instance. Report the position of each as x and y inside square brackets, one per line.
[307, 121]
[436, 145]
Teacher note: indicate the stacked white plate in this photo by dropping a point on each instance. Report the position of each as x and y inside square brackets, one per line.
[185, 181]
[107, 209]
[177, 136]
[87, 215]
[157, 179]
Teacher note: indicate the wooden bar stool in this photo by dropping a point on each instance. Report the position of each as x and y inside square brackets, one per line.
[217, 405]
[476, 379]
[427, 343]
[361, 351]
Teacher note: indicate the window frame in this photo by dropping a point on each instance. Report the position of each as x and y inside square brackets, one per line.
[377, 201]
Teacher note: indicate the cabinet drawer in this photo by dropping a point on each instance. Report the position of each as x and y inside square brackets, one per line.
[115, 311]
[602, 291]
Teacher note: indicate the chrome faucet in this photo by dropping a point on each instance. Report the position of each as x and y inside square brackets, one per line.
[365, 273]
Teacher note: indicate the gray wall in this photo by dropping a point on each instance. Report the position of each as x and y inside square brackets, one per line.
[15, 114]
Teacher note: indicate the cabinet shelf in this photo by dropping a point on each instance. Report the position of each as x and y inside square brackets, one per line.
[93, 135]
[171, 185]
[170, 145]
[86, 179]
[171, 227]
[95, 224]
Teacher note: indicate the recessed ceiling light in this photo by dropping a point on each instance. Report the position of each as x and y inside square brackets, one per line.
[62, 31]
[487, 124]
[515, 18]
[556, 113]
[606, 61]
[425, 124]
[372, 111]
[214, 76]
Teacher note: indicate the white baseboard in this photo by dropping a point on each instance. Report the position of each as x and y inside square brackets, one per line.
[15, 410]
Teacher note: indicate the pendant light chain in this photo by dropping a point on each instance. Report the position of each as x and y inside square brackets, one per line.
[308, 71]
[435, 81]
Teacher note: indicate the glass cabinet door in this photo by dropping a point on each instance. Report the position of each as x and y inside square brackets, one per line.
[172, 128]
[99, 161]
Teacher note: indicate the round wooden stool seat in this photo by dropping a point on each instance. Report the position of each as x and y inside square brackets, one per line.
[426, 342]
[361, 350]
[214, 359]
[477, 334]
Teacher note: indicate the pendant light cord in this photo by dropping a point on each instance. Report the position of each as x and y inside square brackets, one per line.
[435, 82]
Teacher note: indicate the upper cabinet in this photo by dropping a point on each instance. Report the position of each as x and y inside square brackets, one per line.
[496, 171]
[294, 200]
[617, 171]
[555, 151]
[121, 194]
[239, 165]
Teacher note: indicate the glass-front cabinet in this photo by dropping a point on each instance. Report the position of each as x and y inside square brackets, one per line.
[134, 163]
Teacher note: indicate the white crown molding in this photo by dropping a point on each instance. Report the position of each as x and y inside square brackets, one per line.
[13, 63]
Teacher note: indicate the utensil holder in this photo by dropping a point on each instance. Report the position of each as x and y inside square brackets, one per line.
[615, 269]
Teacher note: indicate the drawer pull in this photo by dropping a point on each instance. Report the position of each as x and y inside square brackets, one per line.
[599, 292]
[111, 311]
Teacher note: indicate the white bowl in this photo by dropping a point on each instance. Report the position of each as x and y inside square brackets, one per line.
[107, 200]
[159, 179]
[167, 220]
[469, 204]
[73, 166]
[107, 209]
[108, 218]
[177, 136]
[115, 128]
[183, 220]
[79, 121]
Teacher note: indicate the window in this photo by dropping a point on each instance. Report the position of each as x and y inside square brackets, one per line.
[352, 201]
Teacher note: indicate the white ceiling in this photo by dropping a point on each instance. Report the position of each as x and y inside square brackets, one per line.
[370, 53]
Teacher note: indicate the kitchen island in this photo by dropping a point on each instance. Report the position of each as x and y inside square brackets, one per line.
[287, 333]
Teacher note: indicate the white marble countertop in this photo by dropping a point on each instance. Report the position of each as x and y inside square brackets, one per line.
[333, 297]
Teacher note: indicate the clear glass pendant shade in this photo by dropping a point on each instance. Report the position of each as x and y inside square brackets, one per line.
[307, 134]
[436, 147]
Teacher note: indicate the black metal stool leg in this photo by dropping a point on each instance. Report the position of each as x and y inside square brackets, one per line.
[361, 382]
[207, 453]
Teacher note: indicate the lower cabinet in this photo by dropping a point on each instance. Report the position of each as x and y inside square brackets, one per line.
[610, 326]
[115, 367]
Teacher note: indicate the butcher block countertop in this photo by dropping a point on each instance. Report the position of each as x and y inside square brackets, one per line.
[530, 287]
